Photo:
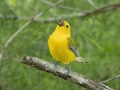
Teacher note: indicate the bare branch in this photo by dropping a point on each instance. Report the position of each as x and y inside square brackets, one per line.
[11, 38]
[76, 15]
[60, 6]
[26, 24]
[110, 70]
[113, 78]
[91, 3]
[62, 73]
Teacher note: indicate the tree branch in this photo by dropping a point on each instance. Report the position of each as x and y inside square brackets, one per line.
[62, 73]
[113, 78]
[76, 15]
[60, 6]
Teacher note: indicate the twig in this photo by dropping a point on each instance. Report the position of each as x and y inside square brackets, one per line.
[62, 73]
[77, 15]
[60, 6]
[83, 14]
[91, 3]
[113, 78]
[26, 24]
[11, 38]
[110, 70]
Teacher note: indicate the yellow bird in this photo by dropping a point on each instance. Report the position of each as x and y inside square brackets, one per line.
[62, 47]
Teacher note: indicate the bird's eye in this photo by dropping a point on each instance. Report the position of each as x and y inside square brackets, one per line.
[67, 26]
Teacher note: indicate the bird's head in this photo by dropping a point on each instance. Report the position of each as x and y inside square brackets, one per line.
[63, 27]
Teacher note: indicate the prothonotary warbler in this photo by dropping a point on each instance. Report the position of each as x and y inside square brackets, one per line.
[62, 47]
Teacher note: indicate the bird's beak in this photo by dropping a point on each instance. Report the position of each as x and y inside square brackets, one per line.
[61, 23]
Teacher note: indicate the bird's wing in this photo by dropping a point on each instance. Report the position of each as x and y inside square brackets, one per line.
[72, 47]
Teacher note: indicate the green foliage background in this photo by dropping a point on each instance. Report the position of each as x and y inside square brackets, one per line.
[97, 37]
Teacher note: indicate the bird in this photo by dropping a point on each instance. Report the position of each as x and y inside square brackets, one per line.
[62, 47]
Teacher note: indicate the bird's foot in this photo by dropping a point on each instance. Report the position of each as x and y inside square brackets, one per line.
[68, 70]
[56, 64]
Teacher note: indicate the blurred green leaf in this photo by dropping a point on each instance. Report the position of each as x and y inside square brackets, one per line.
[12, 2]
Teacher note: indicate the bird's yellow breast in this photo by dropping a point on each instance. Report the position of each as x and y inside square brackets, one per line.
[58, 47]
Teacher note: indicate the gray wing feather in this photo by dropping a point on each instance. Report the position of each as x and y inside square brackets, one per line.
[74, 50]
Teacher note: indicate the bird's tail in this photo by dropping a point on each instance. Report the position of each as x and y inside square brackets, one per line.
[81, 60]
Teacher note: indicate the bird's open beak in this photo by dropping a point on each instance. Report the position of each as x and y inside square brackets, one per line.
[61, 23]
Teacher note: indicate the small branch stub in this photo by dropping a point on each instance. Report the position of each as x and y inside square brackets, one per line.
[61, 72]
